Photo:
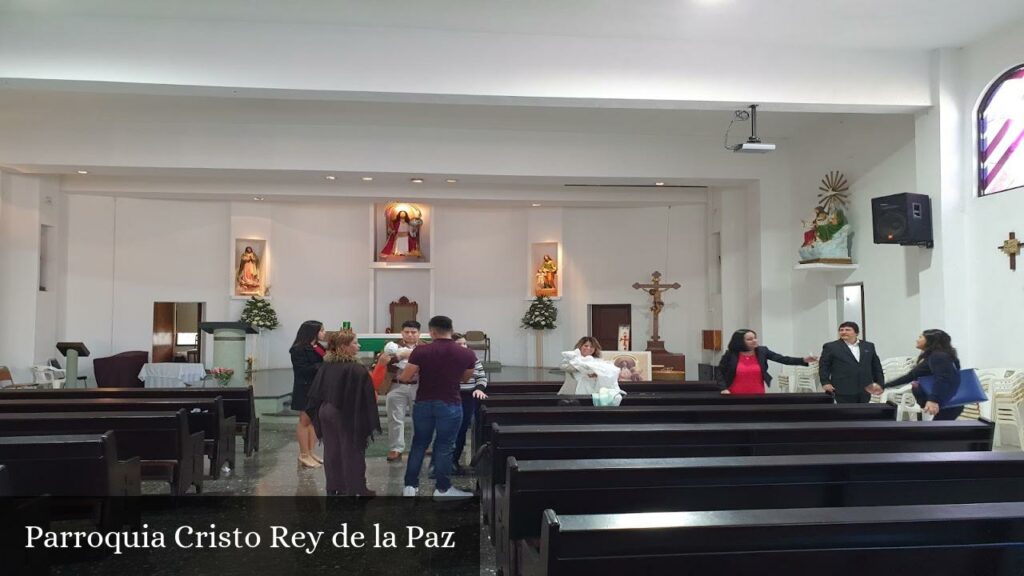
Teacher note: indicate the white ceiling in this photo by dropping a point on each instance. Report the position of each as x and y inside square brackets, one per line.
[864, 24]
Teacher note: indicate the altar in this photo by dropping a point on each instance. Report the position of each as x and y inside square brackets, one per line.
[375, 342]
[172, 375]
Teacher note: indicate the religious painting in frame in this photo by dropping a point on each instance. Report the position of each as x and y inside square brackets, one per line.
[250, 267]
[545, 270]
[634, 365]
[401, 232]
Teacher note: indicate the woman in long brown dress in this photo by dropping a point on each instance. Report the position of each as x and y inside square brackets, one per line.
[343, 407]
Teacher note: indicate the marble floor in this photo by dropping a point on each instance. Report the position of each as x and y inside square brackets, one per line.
[274, 471]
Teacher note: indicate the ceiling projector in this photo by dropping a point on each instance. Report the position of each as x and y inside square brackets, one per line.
[753, 145]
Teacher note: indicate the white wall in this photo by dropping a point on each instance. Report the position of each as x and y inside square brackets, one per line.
[995, 304]
[415, 61]
[49, 304]
[877, 156]
[607, 250]
[19, 280]
[480, 275]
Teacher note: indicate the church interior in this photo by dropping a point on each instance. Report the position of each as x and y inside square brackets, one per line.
[183, 185]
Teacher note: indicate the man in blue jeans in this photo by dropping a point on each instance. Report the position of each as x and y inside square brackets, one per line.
[441, 366]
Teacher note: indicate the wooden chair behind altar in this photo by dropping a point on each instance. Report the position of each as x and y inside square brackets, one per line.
[401, 311]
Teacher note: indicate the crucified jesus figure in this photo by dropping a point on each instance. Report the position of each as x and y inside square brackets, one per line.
[655, 288]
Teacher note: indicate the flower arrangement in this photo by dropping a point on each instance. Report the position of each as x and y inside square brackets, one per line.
[541, 314]
[222, 375]
[258, 313]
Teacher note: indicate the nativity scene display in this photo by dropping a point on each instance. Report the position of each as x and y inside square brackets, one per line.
[403, 237]
[827, 234]
[250, 267]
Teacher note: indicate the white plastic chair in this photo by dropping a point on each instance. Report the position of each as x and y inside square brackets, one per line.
[806, 379]
[1007, 398]
[48, 376]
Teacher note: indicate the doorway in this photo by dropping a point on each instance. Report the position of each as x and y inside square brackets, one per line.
[850, 306]
[605, 320]
[176, 335]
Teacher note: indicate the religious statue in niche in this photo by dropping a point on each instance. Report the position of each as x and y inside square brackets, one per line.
[827, 234]
[403, 223]
[248, 276]
[547, 278]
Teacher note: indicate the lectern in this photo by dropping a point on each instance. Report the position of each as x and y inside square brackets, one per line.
[229, 347]
[72, 351]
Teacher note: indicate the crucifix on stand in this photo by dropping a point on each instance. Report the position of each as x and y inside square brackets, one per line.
[1011, 248]
[655, 345]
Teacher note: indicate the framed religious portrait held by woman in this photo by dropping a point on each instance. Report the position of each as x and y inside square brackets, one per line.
[249, 271]
[402, 233]
[634, 366]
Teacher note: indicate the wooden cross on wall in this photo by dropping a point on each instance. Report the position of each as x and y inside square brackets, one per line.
[655, 288]
[1011, 248]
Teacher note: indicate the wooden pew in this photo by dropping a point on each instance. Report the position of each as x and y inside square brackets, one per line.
[76, 470]
[753, 482]
[657, 399]
[534, 387]
[166, 449]
[204, 414]
[15, 515]
[238, 402]
[721, 439]
[938, 540]
[552, 415]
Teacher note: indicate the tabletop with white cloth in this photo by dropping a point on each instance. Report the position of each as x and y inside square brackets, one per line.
[171, 374]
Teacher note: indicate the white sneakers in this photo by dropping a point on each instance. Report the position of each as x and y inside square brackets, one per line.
[452, 492]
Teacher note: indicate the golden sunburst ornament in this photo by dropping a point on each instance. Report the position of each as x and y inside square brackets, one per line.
[833, 188]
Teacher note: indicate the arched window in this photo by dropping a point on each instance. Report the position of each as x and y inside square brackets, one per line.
[1001, 135]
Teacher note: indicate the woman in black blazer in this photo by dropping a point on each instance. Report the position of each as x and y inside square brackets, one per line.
[938, 358]
[744, 366]
[307, 356]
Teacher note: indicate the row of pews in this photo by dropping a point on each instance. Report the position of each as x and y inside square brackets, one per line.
[678, 480]
[88, 448]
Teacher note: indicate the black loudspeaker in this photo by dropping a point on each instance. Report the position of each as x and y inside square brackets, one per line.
[904, 219]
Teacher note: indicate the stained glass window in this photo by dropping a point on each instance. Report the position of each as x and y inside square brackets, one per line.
[1001, 135]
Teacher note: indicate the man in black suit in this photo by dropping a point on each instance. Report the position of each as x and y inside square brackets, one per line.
[849, 366]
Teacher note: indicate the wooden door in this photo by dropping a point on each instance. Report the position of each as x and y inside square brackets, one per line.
[605, 320]
[163, 332]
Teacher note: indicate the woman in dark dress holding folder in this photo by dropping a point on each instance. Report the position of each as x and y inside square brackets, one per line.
[938, 359]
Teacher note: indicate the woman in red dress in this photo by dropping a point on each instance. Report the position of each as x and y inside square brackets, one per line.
[744, 366]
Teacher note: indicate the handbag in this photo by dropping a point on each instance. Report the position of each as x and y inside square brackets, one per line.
[968, 392]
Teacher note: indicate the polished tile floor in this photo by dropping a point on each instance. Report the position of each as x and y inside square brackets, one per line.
[274, 471]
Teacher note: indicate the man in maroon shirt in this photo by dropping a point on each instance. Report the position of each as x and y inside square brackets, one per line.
[441, 366]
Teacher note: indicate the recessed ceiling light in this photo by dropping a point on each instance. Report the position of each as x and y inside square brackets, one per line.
[535, 204]
[367, 178]
[451, 180]
[329, 177]
[83, 171]
[416, 180]
[659, 183]
[258, 198]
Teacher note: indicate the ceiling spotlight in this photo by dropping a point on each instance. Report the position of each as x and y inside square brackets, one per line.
[451, 180]
[416, 180]
[330, 177]
[367, 178]
[83, 171]
[258, 198]
[535, 205]
[659, 183]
